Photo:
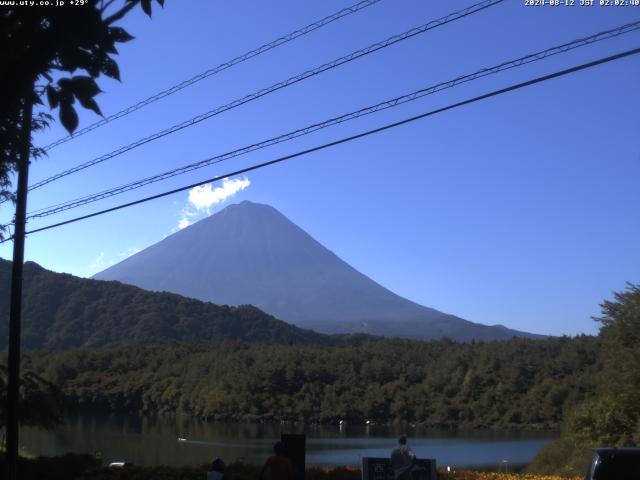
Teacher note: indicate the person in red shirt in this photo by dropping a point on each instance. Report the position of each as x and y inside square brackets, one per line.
[278, 466]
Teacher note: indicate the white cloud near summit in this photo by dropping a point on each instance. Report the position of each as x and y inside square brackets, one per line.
[203, 197]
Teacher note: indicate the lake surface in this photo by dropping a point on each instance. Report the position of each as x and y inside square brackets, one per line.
[153, 441]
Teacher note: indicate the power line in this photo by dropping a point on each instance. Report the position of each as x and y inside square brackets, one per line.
[290, 81]
[540, 55]
[283, 84]
[494, 93]
[223, 66]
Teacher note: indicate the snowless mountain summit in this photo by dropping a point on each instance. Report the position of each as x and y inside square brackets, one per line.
[249, 253]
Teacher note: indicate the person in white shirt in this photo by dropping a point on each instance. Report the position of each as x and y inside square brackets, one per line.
[402, 460]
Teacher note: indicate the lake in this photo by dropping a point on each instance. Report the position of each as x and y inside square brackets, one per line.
[153, 441]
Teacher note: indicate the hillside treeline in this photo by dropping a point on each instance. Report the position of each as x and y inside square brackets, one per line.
[521, 383]
[62, 311]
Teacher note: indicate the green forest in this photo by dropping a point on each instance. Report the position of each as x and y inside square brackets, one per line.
[610, 416]
[62, 311]
[519, 383]
[105, 346]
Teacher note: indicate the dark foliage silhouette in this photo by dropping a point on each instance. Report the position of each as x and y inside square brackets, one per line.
[42, 49]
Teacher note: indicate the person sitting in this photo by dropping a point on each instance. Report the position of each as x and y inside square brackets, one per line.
[402, 460]
[217, 470]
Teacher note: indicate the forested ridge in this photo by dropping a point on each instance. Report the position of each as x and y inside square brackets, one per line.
[518, 383]
[63, 311]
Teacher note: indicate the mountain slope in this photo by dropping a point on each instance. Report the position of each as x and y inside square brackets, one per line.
[63, 311]
[250, 253]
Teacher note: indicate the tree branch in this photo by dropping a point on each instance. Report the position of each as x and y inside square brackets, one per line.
[104, 5]
[121, 13]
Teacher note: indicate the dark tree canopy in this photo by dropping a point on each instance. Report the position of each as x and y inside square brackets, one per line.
[613, 418]
[611, 415]
[509, 384]
[41, 402]
[57, 53]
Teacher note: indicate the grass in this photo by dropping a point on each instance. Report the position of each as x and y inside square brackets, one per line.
[250, 472]
[85, 467]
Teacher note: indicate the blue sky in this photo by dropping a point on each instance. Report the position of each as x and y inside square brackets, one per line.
[521, 210]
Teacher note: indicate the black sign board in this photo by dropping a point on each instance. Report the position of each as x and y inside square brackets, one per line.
[295, 446]
[376, 468]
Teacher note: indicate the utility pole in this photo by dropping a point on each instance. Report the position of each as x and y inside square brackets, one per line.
[15, 312]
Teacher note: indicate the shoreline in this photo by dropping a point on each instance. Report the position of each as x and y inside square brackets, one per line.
[270, 421]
